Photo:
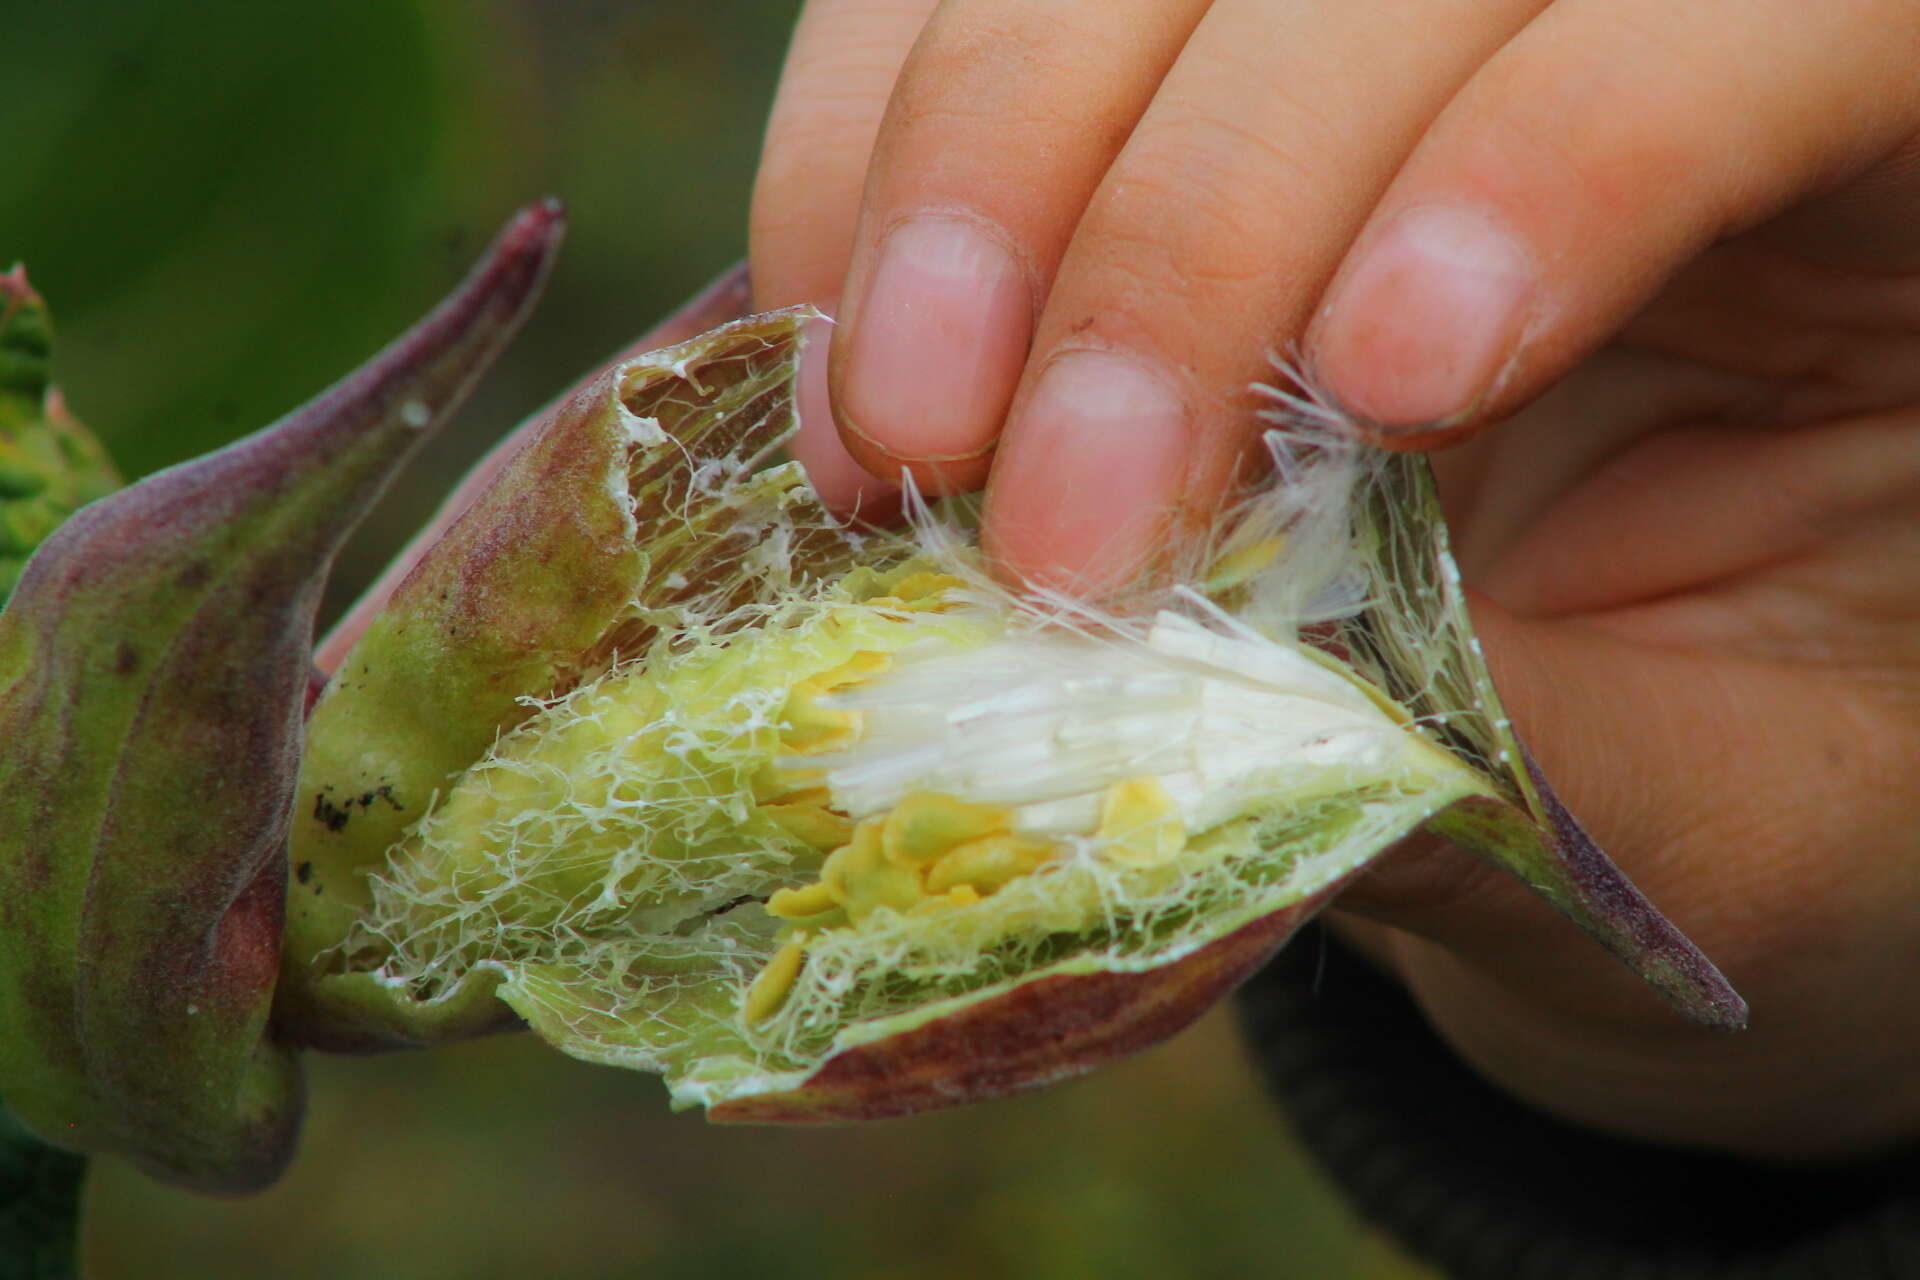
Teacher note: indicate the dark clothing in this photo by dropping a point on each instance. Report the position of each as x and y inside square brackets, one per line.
[1487, 1189]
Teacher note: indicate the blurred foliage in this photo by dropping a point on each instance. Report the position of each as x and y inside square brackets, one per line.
[500, 1159]
[39, 1196]
[50, 465]
[230, 205]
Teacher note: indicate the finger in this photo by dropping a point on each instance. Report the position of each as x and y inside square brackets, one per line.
[840, 69]
[847, 488]
[1755, 803]
[839, 72]
[1624, 745]
[1593, 155]
[842, 483]
[1867, 225]
[1702, 774]
[1637, 747]
[1204, 248]
[1703, 506]
[1004, 119]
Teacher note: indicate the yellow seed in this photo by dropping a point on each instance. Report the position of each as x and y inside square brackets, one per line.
[1242, 563]
[810, 728]
[769, 988]
[925, 590]
[1140, 824]
[862, 880]
[775, 785]
[988, 863]
[926, 824]
[958, 896]
[847, 861]
[813, 824]
[797, 904]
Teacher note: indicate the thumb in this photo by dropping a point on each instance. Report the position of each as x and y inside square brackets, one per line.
[1619, 729]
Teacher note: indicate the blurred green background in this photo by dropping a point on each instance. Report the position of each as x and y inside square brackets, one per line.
[231, 204]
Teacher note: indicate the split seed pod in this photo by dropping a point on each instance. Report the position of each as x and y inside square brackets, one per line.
[826, 825]
[154, 671]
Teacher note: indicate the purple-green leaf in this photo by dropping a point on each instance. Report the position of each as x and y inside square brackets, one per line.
[154, 671]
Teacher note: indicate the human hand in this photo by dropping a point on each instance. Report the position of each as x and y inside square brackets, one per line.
[1670, 249]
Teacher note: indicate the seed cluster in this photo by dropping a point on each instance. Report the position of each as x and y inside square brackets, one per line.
[931, 851]
[935, 852]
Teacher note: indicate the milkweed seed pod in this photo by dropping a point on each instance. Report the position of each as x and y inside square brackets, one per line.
[649, 753]
[154, 671]
[50, 465]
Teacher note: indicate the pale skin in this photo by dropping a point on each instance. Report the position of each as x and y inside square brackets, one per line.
[1645, 275]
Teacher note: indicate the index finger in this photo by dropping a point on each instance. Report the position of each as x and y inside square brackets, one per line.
[839, 73]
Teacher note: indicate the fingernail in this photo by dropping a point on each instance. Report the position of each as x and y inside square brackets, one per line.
[1418, 329]
[1089, 476]
[938, 344]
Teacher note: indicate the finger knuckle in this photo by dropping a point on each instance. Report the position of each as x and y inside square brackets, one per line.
[1598, 134]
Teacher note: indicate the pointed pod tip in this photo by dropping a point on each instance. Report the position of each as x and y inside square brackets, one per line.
[515, 265]
[497, 293]
[536, 229]
[425, 374]
[1712, 1002]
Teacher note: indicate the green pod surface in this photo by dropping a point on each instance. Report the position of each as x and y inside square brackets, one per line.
[154, 672]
